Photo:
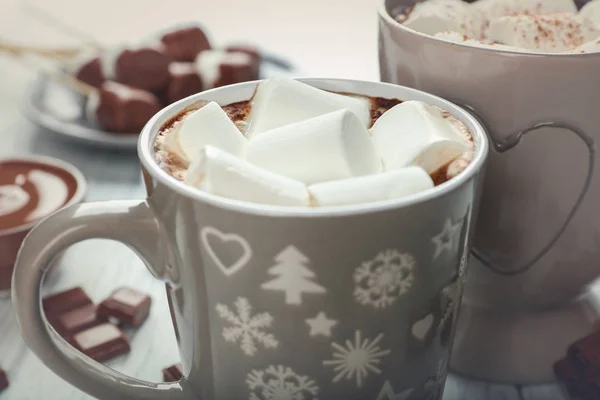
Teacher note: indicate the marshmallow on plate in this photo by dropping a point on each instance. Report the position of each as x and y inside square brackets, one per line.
[456, 37]
[325, 148]
[222, 174]
[209, 125]
[281, 101]
[494, 9]
[591, 11]
[415, 133]
[433, 16]
[548, 33]
[372, 188]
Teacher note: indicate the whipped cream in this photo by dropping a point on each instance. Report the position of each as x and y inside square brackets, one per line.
[540, 26]
[320, 158]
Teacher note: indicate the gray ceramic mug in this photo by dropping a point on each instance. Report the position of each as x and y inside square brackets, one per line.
[537, 240]
[274, 303]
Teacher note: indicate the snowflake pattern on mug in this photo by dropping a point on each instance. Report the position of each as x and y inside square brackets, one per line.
[387, 393]
[380, 281]
[247, 329]
[280, 383]
[357, 359]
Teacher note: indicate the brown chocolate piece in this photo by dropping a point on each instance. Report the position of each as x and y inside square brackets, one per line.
[91, 72]
[123, 109]
[172, 374]
[126, 305]
[184, 44]
[101, 342]
[3, 380]
[252, 51]
[5, 275]
[564, 372]
[144, 68]
[236, 71]
[80, 319]
[185, 81]
[584, 355]
[62, 302]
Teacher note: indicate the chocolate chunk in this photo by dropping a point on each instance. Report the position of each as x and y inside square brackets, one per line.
[584, 355]
[144, 68]
[62, 302]
[184, 44]
[3, 380]
[123, 109]
[236, 71]
[101, 342]
[185, 81]
[565, 373]
[252, 51]
[5, 277]
[126, 305]
[172, 374]
[91, 72]
[77, 320]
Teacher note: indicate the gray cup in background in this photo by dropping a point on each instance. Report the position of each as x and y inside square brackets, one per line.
[274, 303]
[537, 241]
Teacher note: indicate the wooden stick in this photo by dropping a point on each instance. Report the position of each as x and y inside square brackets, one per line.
[52, 73]
[60, 53]
[63, 26]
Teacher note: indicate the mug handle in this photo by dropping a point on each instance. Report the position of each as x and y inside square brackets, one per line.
[132, 223]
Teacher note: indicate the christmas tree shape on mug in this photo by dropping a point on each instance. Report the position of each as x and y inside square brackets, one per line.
[293, 277]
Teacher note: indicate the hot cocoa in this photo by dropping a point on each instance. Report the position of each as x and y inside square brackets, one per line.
[295, 145]
[29, 191]
[542, 26]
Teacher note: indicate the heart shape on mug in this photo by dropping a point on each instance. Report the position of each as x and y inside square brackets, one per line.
[229, 251]
[514, 229]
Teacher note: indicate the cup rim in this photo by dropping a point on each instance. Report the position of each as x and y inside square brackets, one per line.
[77, 197]
[383, 13]
[149, 132]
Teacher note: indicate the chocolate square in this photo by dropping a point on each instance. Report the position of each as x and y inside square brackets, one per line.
[3, 380]
[77, 320]
[172, 374]
[65, 301]
[126, 305]
[101, 342]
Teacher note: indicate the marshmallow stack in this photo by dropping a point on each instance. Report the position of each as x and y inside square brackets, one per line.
[540, 26]
[313, 148]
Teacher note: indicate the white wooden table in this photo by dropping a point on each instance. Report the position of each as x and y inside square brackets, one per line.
[333, 38]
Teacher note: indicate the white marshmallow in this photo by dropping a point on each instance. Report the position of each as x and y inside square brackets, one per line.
[547, 33]
[589, 47]
[222, 174]
[591, 11]
[415, 133]
[108, 61]
[208, 64]
[330, 147]
[494, 9]
[209, 125]
[456, 37]
[433, 16]
[367, 189]
[281, 101]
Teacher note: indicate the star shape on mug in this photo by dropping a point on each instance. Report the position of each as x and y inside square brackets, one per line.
[445, 239]
[321, 325]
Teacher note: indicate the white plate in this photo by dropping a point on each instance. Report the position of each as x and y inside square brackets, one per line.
[59, 109]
